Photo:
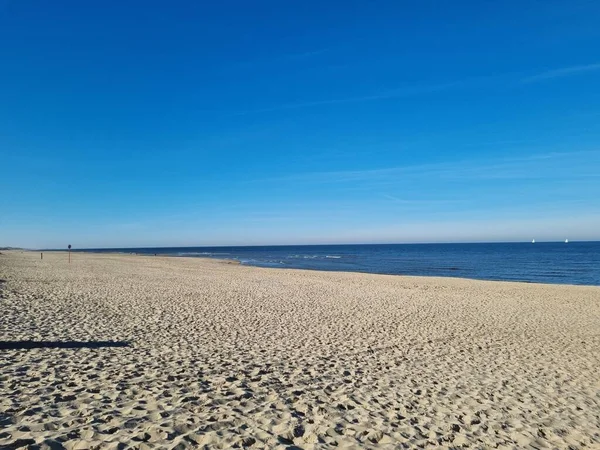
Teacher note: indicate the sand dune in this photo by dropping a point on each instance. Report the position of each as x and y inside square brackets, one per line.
[120, 351]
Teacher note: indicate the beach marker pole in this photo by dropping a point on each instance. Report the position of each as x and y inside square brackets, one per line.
[69, 253]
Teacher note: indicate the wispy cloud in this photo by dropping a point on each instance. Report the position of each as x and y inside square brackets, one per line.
[416, 201]
[572, 165]
[398, 200]
[415, 90]
[562, 72]
[389, 94]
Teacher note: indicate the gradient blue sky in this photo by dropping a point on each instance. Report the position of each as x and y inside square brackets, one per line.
[206, 123]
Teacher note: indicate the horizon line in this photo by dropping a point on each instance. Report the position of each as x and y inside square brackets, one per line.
[305, 245]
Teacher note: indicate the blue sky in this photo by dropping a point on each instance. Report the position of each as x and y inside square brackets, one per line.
[210, 123]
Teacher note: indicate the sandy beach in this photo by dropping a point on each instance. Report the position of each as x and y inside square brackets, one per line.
[126, 351]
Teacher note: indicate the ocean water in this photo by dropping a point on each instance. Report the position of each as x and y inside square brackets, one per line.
[543, 262]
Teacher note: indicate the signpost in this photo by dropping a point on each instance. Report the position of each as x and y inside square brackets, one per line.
[69, 253]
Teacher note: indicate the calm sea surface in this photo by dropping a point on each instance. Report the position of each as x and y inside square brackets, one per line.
[572, 263]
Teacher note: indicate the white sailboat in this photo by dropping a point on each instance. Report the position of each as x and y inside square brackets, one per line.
[533, 241]
[566, 241]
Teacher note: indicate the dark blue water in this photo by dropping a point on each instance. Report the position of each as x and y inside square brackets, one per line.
[572, 263]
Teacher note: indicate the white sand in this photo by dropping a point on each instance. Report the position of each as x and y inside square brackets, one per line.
[225, 355]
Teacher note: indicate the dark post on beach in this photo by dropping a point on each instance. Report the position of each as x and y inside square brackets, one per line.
[69, 253]
[41, 255]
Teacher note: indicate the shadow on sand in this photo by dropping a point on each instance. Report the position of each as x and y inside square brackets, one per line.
[26, 345]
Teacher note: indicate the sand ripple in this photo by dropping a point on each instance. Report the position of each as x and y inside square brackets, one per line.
[215, 355]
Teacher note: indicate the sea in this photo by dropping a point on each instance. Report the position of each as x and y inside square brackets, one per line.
[542, 262]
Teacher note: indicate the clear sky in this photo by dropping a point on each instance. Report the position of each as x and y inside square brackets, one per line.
[233, 122]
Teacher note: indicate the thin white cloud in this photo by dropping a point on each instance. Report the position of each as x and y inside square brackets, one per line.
[562, 72]
[409, 91]
[544, 165]
[394, 93]
[398, 200]
[412, 202]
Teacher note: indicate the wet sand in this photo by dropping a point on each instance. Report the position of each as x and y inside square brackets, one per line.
[126, 351]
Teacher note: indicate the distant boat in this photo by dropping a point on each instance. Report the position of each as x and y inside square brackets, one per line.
[533, 242]
[566, 241]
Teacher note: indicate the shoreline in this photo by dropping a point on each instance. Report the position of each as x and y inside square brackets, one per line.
[239, 263]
